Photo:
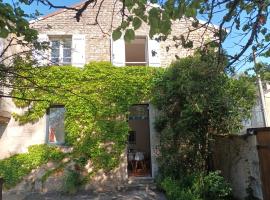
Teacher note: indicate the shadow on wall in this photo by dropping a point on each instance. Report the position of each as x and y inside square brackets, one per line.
[237, 158]
[3, 127]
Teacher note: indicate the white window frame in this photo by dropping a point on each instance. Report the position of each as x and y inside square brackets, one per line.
[61, 39]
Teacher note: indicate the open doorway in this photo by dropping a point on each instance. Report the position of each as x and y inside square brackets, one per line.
[139, 153]
[135, 52]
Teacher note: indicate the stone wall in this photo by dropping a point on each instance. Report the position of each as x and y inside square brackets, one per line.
[98, 36]
[237, 158]
[15, 138]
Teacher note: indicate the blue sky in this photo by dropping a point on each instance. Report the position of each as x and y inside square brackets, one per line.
[231, 44]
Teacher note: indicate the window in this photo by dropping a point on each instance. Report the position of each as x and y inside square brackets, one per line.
[56, 129]
[136, 52]
[60, 50]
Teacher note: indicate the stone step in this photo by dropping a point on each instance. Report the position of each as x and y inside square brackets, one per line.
[138, 183]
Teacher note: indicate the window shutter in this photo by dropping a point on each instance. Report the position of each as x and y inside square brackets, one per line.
[78, 50]
[118, 55]
[153, 53]
[1, 45]
[42, 56]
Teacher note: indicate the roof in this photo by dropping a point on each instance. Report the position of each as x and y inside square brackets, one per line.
[57, 12]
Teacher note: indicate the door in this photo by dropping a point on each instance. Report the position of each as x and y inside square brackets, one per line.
[139, 153]
[263, 145]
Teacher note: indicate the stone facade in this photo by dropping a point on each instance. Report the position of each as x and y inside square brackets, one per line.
[15, 138]
[98, 47]
[98, 36]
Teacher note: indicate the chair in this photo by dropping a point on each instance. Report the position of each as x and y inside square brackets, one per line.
[139, 161]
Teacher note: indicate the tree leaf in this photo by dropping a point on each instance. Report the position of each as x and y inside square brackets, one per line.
[116, 34]
[136, 23]
[129, 35]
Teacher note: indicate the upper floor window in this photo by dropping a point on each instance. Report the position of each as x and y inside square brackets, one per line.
[140, 51]
[136, 52]
[61, 50]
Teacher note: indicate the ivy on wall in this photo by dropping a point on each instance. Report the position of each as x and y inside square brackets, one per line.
[97, 99]
[14, 168]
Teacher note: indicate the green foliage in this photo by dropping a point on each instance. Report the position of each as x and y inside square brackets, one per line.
[116, 34]
[129, 35]
[197, 187]
[160, 14]
[214, 187]
[14, 21]
[72, 181]
[197, 99]
[136, 23]
[14, 168]
[97, 99]
[176, 191]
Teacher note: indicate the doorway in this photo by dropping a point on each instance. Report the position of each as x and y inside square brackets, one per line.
[139, 153]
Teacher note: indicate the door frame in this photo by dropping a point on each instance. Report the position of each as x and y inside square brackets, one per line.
[149, 144]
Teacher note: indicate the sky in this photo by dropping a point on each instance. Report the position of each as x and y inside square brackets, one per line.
[231, 44]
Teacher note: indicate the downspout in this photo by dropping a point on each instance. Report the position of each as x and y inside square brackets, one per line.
[262, 99]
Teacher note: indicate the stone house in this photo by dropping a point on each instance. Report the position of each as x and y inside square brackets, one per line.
[77, 43]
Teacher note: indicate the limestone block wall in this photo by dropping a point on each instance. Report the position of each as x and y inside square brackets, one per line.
[98, 36]
[154, 140]
[15, 138]
[237, 158]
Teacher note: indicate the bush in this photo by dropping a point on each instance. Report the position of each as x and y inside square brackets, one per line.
[214, 187]
[14, 168]
[176, 191]
[72, 181]
[197, 187]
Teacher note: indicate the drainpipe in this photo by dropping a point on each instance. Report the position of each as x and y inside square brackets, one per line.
[262, 99]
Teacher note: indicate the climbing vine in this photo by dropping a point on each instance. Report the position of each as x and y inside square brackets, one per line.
[97, 99]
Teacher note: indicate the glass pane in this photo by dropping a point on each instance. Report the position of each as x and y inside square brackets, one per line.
[55, 53]
[56, 125]
[55, 60]
[67, 43]
[67, 53]
[66, 61]
[55, 44]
